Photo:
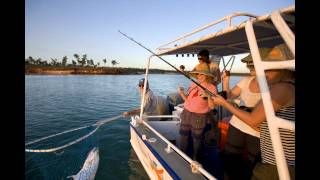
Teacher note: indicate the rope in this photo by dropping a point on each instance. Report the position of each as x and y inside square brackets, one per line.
[64, 132]
[98, 124]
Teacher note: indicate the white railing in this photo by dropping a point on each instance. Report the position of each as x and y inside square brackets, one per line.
[274, 123]
[170, 146]
[165, 48]
[227, 19]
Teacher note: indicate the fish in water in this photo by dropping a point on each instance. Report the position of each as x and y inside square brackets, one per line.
[89, 168]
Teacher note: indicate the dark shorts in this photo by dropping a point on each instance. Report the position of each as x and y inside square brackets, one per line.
[192, 122]
[238, 141]
[264, 171]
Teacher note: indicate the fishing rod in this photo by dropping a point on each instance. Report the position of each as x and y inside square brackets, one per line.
[187, 76]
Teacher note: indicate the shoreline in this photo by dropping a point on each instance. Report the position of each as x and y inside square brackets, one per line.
[35, 70]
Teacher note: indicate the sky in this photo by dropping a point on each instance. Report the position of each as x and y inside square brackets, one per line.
[57, 28]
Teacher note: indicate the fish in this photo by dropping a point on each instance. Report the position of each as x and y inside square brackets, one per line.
[90, 166]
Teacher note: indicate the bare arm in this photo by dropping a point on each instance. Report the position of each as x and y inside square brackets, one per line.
[231, 94]
[182, 94]
[132, 112]
[280, 94]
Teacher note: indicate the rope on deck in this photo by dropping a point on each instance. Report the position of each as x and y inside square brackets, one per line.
[98, 124]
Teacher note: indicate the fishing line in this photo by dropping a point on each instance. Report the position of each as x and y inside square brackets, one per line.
[98, 124]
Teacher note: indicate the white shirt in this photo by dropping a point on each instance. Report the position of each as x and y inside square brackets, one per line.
[248, 99]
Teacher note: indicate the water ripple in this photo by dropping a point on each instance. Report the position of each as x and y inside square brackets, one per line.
[58, 103]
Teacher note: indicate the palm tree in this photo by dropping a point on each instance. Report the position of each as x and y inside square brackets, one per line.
[31, 60]
[74, 63]
[114, 62]
[77, 58]
[64, 60]
[54, 61]
[105, 61]
[90, 62]
[83, 60]
[38, 61]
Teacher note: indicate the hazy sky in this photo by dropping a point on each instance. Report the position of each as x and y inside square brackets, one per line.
[57, 28]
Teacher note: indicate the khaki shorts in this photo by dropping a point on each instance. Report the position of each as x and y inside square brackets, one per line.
[192, 122]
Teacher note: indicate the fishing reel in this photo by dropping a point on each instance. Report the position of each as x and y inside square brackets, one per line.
[227, 73]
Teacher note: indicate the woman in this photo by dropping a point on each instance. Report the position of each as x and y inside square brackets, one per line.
[196, 109]
[282, 91]
[241, 138]
[204, 58]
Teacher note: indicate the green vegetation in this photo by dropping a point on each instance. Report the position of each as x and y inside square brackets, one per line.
[80, 65]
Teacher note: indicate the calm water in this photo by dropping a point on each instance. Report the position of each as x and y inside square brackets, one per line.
[58, 103]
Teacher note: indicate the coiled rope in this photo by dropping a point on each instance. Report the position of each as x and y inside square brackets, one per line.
[98, 124]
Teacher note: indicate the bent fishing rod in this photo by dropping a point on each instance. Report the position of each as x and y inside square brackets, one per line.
[187, 76]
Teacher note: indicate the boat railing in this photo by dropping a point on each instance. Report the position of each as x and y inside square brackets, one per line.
[171, 146]
[274, 123]
[230, 27]
[161, 116]
[227, 19]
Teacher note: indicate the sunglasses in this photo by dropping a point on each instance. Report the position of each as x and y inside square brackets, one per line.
[140, 85]
[201, 58]
[198, 74]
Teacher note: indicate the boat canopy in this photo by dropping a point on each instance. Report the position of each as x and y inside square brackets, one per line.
[232, 40]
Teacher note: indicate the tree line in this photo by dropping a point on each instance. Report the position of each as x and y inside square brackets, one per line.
[81, 61]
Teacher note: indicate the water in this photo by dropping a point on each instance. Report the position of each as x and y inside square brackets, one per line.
[58, 103]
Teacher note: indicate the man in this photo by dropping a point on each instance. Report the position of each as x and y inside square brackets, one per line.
[153, 105]
[181, 68]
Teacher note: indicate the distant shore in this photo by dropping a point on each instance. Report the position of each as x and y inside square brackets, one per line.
[49, 70]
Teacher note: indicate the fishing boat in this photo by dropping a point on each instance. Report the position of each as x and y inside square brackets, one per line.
[156, 142]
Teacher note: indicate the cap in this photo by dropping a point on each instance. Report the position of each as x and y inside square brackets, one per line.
[141, 83]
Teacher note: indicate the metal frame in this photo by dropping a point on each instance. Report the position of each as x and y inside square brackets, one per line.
[170, 145]
[165, 49]
[274, 123]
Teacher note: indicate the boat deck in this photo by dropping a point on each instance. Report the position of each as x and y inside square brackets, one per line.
[172, 162]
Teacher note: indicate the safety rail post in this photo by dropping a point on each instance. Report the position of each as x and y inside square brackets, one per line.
[145, 86]
[272, 121]
[284, 30]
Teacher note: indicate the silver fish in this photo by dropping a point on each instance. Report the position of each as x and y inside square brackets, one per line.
[89, 168]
